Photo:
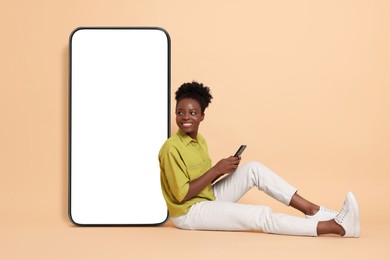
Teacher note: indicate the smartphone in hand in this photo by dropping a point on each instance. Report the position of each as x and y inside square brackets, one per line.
[240, 150]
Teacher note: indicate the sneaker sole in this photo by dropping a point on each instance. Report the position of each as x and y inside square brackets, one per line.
[355, 209]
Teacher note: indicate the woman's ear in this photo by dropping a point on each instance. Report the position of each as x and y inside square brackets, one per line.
[202, 117]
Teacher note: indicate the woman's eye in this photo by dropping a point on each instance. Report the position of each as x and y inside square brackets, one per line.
[181, 113]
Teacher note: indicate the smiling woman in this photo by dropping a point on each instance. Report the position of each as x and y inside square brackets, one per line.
[195, 202]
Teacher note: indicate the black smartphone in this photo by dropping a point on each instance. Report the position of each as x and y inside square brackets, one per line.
[240, 150]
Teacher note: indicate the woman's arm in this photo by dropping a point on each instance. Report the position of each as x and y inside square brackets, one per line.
[226, 165]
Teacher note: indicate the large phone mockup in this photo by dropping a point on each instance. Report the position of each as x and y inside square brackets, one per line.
[118, 120]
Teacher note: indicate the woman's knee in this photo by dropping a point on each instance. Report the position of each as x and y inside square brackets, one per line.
[255, 165]
[256, 168]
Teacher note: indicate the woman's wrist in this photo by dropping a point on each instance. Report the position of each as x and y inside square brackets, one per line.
[214, 172]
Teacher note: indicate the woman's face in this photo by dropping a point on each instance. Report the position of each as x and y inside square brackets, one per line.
[188, 116]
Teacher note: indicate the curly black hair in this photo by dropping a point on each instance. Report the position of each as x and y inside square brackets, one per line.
[196, 91]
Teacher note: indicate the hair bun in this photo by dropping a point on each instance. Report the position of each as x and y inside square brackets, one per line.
[195, 90]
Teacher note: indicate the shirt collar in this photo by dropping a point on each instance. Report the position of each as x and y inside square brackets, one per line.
[186, 139]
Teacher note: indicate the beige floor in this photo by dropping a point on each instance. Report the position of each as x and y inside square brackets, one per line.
[34, 238]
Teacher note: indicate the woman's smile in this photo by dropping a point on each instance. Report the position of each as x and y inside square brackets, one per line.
[186, 124]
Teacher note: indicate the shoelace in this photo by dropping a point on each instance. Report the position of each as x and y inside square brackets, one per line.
[328, 210]
[341, 215]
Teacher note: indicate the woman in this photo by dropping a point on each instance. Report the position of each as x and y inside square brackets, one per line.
[195, 203]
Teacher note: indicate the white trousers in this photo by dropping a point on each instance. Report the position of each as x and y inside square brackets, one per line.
[226, 214]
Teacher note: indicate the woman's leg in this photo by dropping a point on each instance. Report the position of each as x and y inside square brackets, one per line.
[231, 216]
[303, 205]
[233, 187]
[254, 174]
[225, 214]
[330, 227]
[250, 175]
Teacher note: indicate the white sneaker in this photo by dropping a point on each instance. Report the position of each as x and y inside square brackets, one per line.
[323, 214]
[349, 217]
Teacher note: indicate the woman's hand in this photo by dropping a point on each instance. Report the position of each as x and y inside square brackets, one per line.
[227, 165]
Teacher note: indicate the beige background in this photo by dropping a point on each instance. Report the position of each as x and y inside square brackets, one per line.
[305, 84]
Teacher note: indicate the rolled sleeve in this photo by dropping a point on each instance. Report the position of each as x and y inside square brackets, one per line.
[175, 174]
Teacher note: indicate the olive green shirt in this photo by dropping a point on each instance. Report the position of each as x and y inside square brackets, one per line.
[182, 160]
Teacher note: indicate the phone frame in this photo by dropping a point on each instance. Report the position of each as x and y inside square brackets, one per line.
[168, 130]
[240, 150]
